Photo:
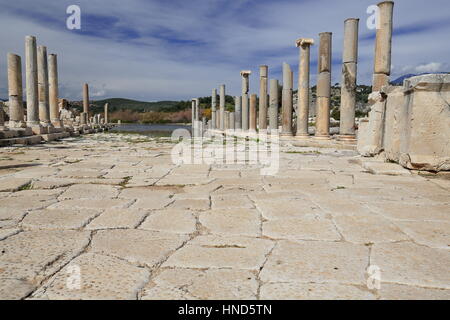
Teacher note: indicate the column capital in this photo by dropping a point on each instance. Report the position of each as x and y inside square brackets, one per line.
[304, 42]
[245, 73]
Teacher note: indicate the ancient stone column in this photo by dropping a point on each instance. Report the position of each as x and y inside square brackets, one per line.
[303, 87]
[237, 113]
[226, 120]
[232, 122]
[323, 87]
[213, 108]
[44, 108]
[252, 113]
[31, 81]
[197, 109]
[15, 93]
[273, 108]
[222, 106]
[53, 89]
[286, 102]
[106, 113]
[192, 113]
[383, 44]
[263, 73]
[348, 82]
[85, 104]
[244, 99]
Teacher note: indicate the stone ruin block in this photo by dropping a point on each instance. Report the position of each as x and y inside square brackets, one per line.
[411, 124]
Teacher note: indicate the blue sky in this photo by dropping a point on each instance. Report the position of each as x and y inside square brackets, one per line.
[163, 50]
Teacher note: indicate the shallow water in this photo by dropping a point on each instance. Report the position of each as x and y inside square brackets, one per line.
[154, 130]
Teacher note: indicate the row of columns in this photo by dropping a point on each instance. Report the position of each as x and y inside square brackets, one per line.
[41, 79]
[245, 115]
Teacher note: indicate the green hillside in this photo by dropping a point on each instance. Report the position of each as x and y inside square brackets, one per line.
[116, 104]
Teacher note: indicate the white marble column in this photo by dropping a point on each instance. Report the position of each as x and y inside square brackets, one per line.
[263, 103]
[44, 108]
[244, 99]
[106, 113]
[303, 87]
[286, 100]
[15, 92]
[32, 82]
[323, 87]
[53, 90]
[273, 106]
[222, 106]
[348, 82]
[238, 113]
[383, 46]
[252, 113]
[213, 108]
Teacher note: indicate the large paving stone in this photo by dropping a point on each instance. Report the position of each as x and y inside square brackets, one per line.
[89, 191]
[118, 218]
[98, 204]
[223, 284]
[246, 222]
[59, 218]
[102, 277]
[429, 233]
[137, 246]
[412, 264]
[221, 252]
[407, 211]
[316, 261]
[170, 220]
[281, 209]
[190, 204]
[5, 233]
[389, 291]
[301, 229]
[368, 229]
[145, 193]
[31, 256]
[13, 184]
[16, 207]
[313, 291]
[226, 201]
[14, 289]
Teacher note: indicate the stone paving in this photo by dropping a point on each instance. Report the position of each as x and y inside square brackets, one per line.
[116, 211]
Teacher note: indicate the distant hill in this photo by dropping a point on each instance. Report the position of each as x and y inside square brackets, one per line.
[139, 106]
[399, 81]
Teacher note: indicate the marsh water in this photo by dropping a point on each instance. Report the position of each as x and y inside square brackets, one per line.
[154, 130]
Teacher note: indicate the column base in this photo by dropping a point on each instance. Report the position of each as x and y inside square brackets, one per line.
[322, 137]
[16, 124]
[38, 129]
[302, 136]
[347, 137]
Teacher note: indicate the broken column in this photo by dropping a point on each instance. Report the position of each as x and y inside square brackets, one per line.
[53, 90]
[286, 101]
[85, 114]
[32, 84]
[232, 121]
[273, 107]
[238, 113]
[16, 113]
[244, 98]
[197, 109]
[252, 113]
[383, 44]
[44, 109]
[106, 113]
[222, 106]
[263, 73]
[213, 108]
[348, 83]
[303, 87]
[323, 87]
